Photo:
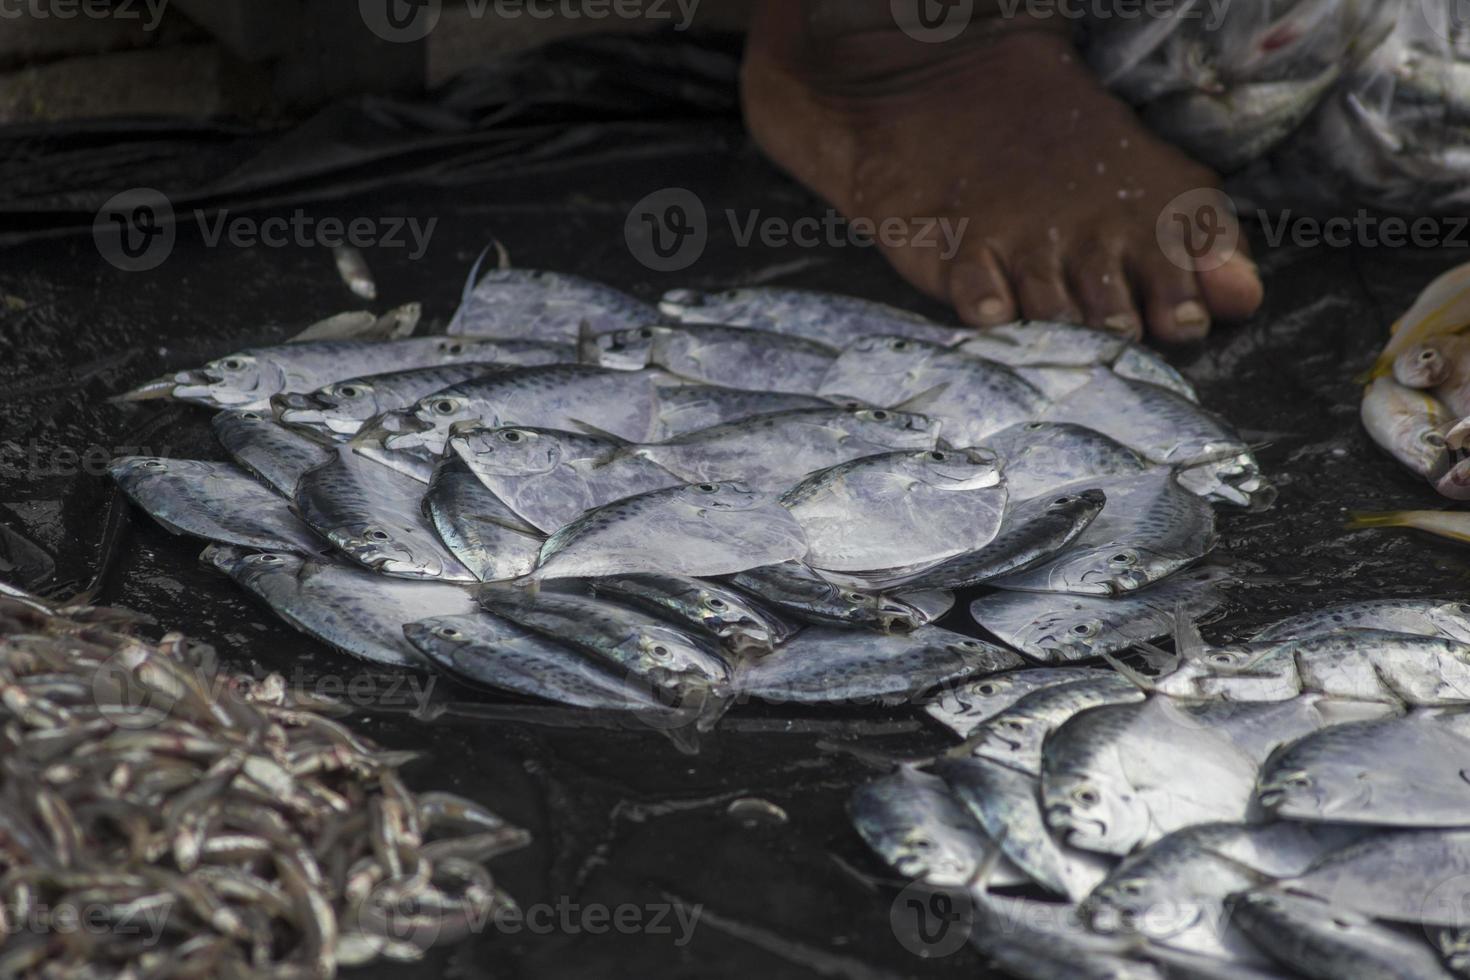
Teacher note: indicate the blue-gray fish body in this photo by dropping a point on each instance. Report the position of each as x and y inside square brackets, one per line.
[1043, 457]
[549, 306]
[689, 408]
[487, 537]
[828, 318]
[269, 450]
[715, 354]
[347, 607]
[737, 621]
[374, 514]
[215, 501]
[801, 592]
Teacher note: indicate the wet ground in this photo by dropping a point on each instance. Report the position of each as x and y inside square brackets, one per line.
[621, 818]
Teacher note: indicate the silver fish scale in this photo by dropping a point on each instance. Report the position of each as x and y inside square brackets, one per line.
[271, 451]
[535, 304]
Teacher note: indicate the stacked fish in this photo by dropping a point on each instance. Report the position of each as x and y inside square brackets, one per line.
[1231, 81]
[1293, 805]
[763, 493]
[163, 820]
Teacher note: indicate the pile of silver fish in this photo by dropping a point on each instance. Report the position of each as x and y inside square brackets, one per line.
[1291, 805]
[161, 819]
[1365, 96]
[759, 493]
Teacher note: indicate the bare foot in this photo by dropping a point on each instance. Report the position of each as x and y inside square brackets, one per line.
[1062, 185]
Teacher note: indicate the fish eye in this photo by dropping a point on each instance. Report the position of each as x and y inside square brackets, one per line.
[252, 416]
[511, 436]
[1124, 558]
[1014, 724]
[1034, 426]
[455, 348]
[376, 534]
[660, 650]
[899, 345]
[856, 597]
[349, 391]
[1427, 355]
[154, 464]
[234, 363]
[1434, 439]
[1062, 501]
[880, 415]
[716, 603]
[1084, 629]
[444, 406]
[986, 689]
[921, 843]
[938, 456]
[707, 488]
[269, 559]
[1086, 796]
[1130, 887]
[1462, 608]
[646, 333]
[448, 632]
[1222, 658]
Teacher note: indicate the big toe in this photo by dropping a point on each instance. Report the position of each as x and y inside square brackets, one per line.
[1234, 290]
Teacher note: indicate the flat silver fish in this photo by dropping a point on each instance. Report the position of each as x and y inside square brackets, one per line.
[689, 408]
[1042, 457]
[801, 592]
[736, 357]
[962, 708]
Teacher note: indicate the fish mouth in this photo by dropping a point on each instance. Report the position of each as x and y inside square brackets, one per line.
[1078, 828]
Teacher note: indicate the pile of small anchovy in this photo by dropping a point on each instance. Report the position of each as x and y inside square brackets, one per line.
[1291, 805]
[158, 819]
[1364, 97]
[761, 493]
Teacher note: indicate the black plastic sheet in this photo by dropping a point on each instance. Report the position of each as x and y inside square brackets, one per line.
[619, 816]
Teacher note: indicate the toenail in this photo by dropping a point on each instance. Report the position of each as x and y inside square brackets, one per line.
[1192, 319]
[993, 310]
[1123, 324]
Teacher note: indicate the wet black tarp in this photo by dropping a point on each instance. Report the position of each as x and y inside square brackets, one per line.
[620, 817]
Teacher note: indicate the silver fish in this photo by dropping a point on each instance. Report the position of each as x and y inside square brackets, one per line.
[1043, 343]
[963, 708]
[214, 501]
[1175, 891]
[1398, 772]
[1141, 364]
[537, 305]
[676, 667]
[269, 450]
[912, 821]
[914, 508]
[551, 478]
[1031, 533]
[736, 357]
[974, 398]
[1426, 617]
[343, 407]
[1054, 628]
[740, 623]
[1124, 775]
[558, 396]
[248, 379]
[698, 529]
[828, 318]
[822, 665]
[1042, 457]
[1007, 804]
[487, 537]
[1324, 941]
[487, 650]
[374, 514]
[344, 606]
[1409, 425]
[799, 591]
[774, 452]
[1015, 736]
[1149, 529]
[1047, 941]
[1166, 428]
[1411, 876]
[353, 269]
[689, 408]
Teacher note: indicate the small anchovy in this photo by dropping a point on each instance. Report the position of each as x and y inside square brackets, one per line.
[353, 269]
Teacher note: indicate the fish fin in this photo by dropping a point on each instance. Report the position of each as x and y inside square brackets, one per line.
[1189, 643]
[587, 428]
[993, 856]
[157, 388]
[924, 399]
[1138, 680]
[1387, 518]
[1158, 657]
[586, 342]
